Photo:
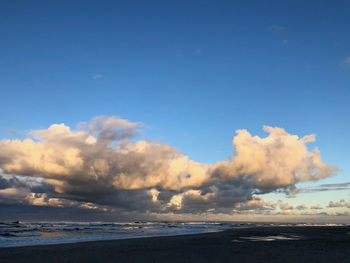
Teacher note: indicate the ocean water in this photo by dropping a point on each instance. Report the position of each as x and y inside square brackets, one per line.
[42, 233]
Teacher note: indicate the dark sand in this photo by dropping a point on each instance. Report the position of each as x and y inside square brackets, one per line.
[318, 244]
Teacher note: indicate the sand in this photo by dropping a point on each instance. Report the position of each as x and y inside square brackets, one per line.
[293, 244]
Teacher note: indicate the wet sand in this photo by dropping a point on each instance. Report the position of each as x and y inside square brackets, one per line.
[292, 244]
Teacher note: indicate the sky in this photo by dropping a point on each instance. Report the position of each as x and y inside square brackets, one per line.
[224, 110]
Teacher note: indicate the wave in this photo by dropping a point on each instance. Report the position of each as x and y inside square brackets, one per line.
[22, 233]
[10, 234]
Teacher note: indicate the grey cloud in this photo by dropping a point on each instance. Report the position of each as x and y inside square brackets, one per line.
[301, 207]
[220, 197]
[8, 181]
[337, 186]
[4, 183]
[341, 203]
[14, 212]
[320, 188]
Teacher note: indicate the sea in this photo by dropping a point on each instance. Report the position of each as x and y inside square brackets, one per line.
[24, 233]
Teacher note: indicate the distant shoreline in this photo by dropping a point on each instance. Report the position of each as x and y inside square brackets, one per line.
[256, 244]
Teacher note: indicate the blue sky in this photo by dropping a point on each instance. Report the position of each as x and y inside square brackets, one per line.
[192, 71]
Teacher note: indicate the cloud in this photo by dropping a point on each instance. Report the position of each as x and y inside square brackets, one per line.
[301, 207]
[316, 207]
[102, 165]
[97, 76]
[336, 186]
[345, 63]
[286, 206]
[292, 192]
[277, 28]
[279, 160]
[199, 51]
[341, 203]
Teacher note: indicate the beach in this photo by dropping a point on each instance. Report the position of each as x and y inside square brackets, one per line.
[256, 244]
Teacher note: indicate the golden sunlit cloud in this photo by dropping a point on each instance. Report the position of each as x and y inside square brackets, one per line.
[101, 164]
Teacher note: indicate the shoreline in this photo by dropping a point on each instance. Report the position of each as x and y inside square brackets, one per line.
[310, 244]
[112, 239]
